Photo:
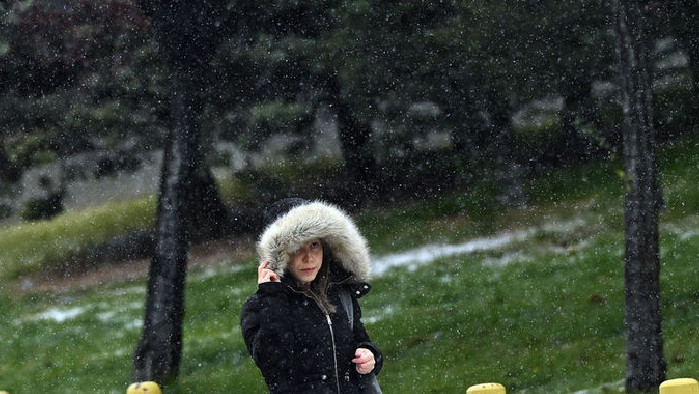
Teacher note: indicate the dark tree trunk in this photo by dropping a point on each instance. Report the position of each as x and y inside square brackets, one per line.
[209, 216]
[157, 356]
[577, 147]
[188, 33]
[9, 171]
[680, 15]
[645, 365]
[354, 137]
[511, 172]
[471, 133]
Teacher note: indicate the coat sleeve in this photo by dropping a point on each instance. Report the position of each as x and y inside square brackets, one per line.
[268, 333]
[361, 337]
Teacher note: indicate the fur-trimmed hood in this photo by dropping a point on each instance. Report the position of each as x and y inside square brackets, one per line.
[314, 220]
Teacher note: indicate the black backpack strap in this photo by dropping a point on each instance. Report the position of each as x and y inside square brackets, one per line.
[346, 300]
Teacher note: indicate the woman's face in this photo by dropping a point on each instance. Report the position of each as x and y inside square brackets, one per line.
[305, 263]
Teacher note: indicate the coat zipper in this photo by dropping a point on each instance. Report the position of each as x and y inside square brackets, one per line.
[332, 339]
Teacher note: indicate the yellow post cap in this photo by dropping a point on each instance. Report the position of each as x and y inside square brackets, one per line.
[679, 386]
[3, 392]
[487, 388]
[144, 387]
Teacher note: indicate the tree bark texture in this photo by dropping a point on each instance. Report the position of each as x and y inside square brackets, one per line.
[645, 365]
[158, 354]
[188, 33]
[355, 137]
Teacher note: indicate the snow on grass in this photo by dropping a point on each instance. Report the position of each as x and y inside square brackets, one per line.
[612, 387]
[59, 315]
[414, 258]
[107, 314]
[374, 317]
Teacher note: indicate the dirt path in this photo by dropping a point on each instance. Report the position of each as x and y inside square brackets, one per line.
[206, 255]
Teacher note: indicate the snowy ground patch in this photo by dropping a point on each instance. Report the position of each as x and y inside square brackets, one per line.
[605, 388]
[420, 256]
[59, 315]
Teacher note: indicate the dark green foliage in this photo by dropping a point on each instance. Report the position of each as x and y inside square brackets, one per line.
[82, 77]
[42, 208]
[77, 76]
[675, 112]
[5, 211]
[319, 179]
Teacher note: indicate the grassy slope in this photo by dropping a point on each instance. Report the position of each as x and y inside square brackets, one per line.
[28, 248]
[549, 321]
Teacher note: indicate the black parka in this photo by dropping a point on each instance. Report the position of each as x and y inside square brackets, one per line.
[298, 345]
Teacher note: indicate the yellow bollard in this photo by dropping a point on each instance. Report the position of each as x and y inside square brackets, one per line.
[144, 387]
[679, 386]
[4, 392]
[487, 388]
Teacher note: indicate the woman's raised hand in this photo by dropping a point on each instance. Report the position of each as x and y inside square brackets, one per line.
[265, 274]
[364, 360]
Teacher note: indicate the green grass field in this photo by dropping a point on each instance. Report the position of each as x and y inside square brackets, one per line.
[541, 313]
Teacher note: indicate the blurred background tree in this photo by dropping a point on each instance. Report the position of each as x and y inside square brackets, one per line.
[509, 87]
[645, 366]
[78, 76]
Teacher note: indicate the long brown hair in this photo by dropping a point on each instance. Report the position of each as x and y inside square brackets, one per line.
[318, 288]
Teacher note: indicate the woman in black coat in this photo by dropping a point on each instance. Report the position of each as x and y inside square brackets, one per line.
[302, 326]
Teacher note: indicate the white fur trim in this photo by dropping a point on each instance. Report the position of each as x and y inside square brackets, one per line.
[310, 221]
